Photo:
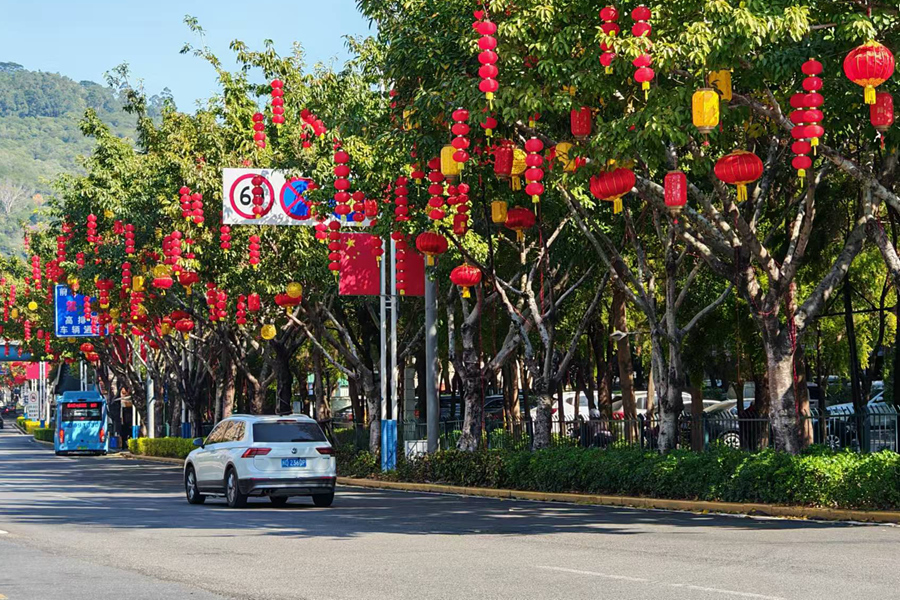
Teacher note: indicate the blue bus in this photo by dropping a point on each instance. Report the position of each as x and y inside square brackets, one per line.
[81, 424]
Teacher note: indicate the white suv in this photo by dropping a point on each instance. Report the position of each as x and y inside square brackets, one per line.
[278, 457]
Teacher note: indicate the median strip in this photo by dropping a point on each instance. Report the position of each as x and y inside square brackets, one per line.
[693, 506]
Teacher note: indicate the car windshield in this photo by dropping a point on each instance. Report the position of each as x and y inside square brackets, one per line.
[287, 431]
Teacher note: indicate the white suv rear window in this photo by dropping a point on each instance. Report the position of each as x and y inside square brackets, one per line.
[287, 432]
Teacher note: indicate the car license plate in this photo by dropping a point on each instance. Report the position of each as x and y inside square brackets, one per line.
[293, 462]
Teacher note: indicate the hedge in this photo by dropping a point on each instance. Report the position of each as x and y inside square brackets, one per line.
[169, 447]
[818, 477]
[44, 434]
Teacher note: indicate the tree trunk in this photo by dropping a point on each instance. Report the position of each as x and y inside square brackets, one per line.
[782, 403]
[373, 402]
[855, 388]
[671, 384]
[542, 421]
[471, 384]
[623, 350]
[802, 391]
[229, 388]
[284, 379]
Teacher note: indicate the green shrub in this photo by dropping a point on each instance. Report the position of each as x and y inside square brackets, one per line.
[44, 434]
[818, 477]
[164, 447]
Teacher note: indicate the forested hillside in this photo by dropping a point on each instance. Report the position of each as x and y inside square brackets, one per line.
[40, 137]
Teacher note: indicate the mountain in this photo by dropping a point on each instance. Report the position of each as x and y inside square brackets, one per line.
[40, 138]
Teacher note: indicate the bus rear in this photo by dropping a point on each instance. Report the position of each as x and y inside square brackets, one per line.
[81, 424]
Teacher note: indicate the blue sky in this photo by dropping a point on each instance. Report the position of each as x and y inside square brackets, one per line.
[83, 39]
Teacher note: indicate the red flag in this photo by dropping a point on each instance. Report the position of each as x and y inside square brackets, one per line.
[360, 273]
[414, 269]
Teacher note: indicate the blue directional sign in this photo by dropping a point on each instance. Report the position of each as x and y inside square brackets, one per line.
[70, 319]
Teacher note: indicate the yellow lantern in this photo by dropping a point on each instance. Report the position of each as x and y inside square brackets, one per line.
[114, 314]
[706, 110]
[165, 329]
[137, 283]
[498, 212]
[721, 80]
[562, 153]
[108, 214]
[14, 313]
[160, 271]
[518, 167]
[449, 167]
[267, 332]
[32, 306]
[294, 290]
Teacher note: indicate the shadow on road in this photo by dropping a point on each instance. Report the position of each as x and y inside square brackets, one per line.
[39, 488]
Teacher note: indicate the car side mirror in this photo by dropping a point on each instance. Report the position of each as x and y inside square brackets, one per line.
[198, 442]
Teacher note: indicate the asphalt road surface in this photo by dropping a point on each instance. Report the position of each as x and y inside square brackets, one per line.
[105, 528]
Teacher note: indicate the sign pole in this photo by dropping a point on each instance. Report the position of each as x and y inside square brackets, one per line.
[395, 310]
[383, 362]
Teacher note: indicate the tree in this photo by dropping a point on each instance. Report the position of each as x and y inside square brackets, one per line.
[12, 196]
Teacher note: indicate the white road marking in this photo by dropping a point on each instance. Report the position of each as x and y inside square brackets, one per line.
[662, 583]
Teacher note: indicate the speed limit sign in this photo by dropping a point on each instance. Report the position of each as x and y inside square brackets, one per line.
[241, 195]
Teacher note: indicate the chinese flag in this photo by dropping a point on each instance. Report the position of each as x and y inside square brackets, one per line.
[360, 273]
[414, 268]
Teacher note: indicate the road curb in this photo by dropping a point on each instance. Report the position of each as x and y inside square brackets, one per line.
[156, 459]
[751, 509]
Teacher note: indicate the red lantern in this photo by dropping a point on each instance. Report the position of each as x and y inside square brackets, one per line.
[254, 304]
[533, 172]
[612, 185]
[185, 326]
[259, 129]
[431, 245]
[581, 121]
[675, 184]
[739, 168]
[882, 114]
[488, 58]
[519, 219]
[609, 15]
[466, 276]
[163, 283]
[253, 251]
[642, 29]
[277, 102]
[504, 154]
[461, 142]
[869, 66]
[87, 348]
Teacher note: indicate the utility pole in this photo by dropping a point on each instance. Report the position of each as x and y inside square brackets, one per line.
[431, 361]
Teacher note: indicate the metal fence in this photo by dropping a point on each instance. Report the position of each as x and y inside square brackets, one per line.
[874, 429]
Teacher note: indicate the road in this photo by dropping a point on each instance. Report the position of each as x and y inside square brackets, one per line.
[104, 528]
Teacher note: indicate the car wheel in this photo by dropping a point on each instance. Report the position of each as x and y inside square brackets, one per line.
[278, 501]
[731, 439]
[323, 500]
[233, 490]
[833, 441]
[190, 488]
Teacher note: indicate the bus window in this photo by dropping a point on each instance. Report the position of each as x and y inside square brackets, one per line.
[81, 411]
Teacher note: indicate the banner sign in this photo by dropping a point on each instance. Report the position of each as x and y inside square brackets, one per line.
[70, 319]
[285, 199]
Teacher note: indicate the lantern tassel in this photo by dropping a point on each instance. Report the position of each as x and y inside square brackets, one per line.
[465, 293]
[536, 199]
[870, 94]
[801, 173]
[430, 260]
[617, 205]
[881, 136]
[520, 235]
[815, 144]
[609, 70]
[516, 183]
[741, 193]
